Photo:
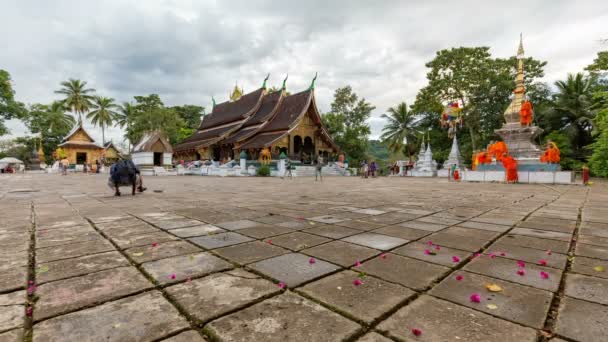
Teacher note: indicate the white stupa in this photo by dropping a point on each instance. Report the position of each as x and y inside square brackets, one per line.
[455, 158]
[425, 165]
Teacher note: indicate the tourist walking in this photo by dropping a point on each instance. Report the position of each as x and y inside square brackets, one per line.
[372, 169]
[287, 169]
[319, 168]
[364, 169]
[65, 163]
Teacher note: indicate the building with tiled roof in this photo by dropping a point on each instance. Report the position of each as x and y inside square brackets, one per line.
[80, 147]
[261, 120]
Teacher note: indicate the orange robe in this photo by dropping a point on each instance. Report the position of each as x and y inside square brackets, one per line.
[510, 166]
[498, 150]
[525, 113]
[551, 155]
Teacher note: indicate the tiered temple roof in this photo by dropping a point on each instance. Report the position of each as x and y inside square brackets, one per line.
[78, 137]
[255, 120]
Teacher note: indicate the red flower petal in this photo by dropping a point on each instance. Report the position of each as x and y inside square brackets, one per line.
[475, 298]
[357, 264]
[357, 282]
[281, 285]
[542, 262]
[549, 252]
[544, 275]
[172, 276]
[269, 242]
[455, 259]
[503, 254]
[29, 311]
[521, 264]
[427, 252]
[416, 332]
[521, 272]
[476, 255]
[430, 243]
[383, 255]
[312, 261]
[459, 277]
[492, 255]
[437, 247]
[155, 244]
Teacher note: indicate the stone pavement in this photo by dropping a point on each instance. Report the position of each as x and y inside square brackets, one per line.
[264, 259]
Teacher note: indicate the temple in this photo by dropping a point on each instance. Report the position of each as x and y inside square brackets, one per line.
[80, 147]
[261, 121]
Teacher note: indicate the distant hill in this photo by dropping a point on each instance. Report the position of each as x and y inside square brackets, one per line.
[377, 151]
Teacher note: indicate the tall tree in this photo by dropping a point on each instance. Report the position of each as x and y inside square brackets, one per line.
[103, 114]
[51, 122]
[125, 117]
[77, 96]
[191, 114]
[573, 107]
[151, 114]
[347, 122]
[401, 128]
[9, 108]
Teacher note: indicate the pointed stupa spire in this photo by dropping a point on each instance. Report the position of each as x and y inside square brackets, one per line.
[520, 49]
[236, 92]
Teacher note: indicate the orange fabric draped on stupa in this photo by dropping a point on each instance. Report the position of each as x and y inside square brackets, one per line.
[551, 155]
[498, 150]
[510, 166]
[481, 158]
[525, 113]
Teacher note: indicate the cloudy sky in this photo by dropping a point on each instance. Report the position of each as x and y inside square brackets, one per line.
[188, 51]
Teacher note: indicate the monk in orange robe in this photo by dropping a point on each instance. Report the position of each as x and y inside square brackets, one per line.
[510, 166]
[551, 155]
[498, 150]
[525, 113]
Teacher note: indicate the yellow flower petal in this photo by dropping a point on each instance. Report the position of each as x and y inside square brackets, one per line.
[493, 288]
[599, 268]
[137, 254]
[492, 306]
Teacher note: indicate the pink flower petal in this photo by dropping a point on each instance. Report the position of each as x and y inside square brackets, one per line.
[416, 332]
[427, 252]
[521, 272]
[269, 241]
[357, 264]
[542, 262]
[312, 261]
[492, 255]
[430, 243]
[383, 255]
[437, 247]
[172, 276]
[475, 298]
[29, 311]
[455, 259]
[503, 254]
[155, 244]
[281, 285]
[549, 252]
[544, 275]
[476, 255]
[31, 289]
[357, 282]
[459, 277]
[521, 264]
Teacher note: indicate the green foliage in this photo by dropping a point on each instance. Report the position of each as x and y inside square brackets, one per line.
[9, 108]
[263, 171]
[600, 63]
[377, 150]
[20, 148]
[149, 113]
[598, 163]
[51, 122]
[103, 113]
[347, 123]
[192, 115]
[78, 98]
[124, 118]
[402, 127]
[183, 133]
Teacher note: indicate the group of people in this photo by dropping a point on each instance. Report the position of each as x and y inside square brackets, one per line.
[368, 170]
[64, 165]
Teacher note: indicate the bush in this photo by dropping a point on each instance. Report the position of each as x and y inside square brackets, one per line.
[263, 171]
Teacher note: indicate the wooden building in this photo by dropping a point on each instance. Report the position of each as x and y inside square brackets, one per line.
[111, 154]
[261, 120]
[153, 150]
[80, 147]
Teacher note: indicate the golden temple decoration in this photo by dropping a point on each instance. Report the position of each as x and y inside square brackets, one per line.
[265, 156]
[236, 93]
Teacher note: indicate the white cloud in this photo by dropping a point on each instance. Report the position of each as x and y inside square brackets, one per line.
[188, 51]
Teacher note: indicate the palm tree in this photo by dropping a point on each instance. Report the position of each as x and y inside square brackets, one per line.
[572, 106]
[57, 119]
[401, 128]
[124, 118]
[103, 114]
[77, 96]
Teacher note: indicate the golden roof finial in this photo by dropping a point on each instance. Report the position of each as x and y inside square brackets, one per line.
[236, 92]
[520, 49]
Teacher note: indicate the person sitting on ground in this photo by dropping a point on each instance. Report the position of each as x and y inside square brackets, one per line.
[124, 173]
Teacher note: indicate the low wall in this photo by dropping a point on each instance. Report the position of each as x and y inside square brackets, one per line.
[531, 177]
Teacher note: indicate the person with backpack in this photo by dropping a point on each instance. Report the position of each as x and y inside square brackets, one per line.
[125, 173]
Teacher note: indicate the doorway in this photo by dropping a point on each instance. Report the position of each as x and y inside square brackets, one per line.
[158, 159]
[81, 157]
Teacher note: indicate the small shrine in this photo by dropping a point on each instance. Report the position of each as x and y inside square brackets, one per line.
[425, 165]
[111, 154]
[79, 147]
[153, 150]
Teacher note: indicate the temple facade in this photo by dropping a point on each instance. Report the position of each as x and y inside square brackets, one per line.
[261, 122]
[80, 147]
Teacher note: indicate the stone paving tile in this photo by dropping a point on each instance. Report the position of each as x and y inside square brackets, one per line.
[122, 223]
[591, 251]
[507, 269]
[11, 313]
[48, 241]
[236, 225]
[582, 321]
[484, 226]
[68, 268]
[409, 272]
[328, 219]
[293, 269]
[143, 317]
[220, 240]
[125, 242]
[443, 256]
[373, 337]
[369, 211]
[544, 223]
[517, 303]
[70, 294]
[591, 289]
[592, 267]
[534, 242]
[287, 317]
[251, 252]
[131, 230]
[365, 302]
[529, 255]
[341, 253]
[273, 219]
[360, 225]
[345, 215]
[13, 259]
[215, 295]
[592, 240]
[13, 278]
[457, 241]
[377, 241]
[333, 231]
[505, 221]
[265, 231]
[63, 232]
[389, 218]
[175, 269]
[402, 232]
[205, 229]
[430, 227]
[180, 223]
[187, 336]
[545, 234]
[595, 231]
[15, 335]
[12, 298]
[72, 250]
[443, 321]
[298, 241]
[435, 219]
[160, 251]
[14, 238]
